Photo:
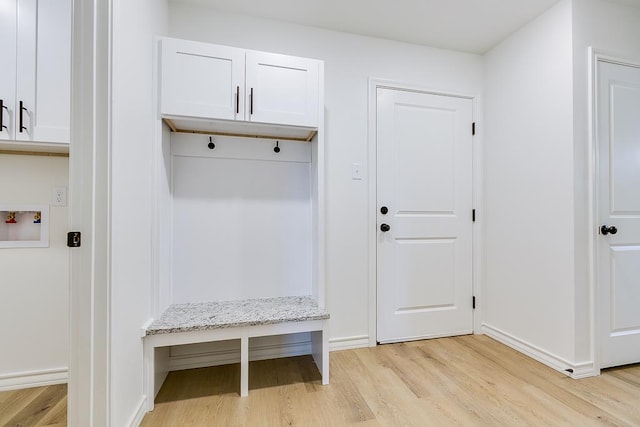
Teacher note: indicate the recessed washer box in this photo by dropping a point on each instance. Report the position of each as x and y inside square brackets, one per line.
[24, 226]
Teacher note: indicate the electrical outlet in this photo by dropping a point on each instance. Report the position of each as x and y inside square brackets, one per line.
[59, 196]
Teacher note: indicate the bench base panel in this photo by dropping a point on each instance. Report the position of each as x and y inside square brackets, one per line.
[156, 350]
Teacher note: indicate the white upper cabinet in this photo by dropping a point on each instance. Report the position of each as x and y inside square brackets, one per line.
[204, 81]
[8, 14]
[35, 80]
[282, 89]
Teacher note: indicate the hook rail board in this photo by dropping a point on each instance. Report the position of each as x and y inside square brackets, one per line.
[242, 148]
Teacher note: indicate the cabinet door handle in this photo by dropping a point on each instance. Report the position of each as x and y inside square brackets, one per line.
[2, 108]
[237, 99]
[251, 102]
[22, 108]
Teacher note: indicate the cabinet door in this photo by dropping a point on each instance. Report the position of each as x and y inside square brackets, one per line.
[282, 89]
[43, 70]
[7, 69]
[201, 80]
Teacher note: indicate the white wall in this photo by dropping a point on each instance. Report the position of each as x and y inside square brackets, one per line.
[528, 283]
[349, 61]
[257, 211]
[34, 282]
[134, 127]
[613, 29]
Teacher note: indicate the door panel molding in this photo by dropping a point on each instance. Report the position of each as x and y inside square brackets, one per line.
[374, 84]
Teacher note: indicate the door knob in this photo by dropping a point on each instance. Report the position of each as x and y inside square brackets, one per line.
[384, 210]
[385, 227]
[608, 230]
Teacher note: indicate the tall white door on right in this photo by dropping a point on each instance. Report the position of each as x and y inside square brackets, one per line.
[618, 140]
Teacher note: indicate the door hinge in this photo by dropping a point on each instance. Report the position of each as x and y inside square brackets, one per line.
[473, 128]
[473, 215]
[473, 302]
[74, 239]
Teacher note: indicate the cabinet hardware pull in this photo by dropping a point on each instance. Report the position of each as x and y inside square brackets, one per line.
[251, 103]
[237, 99]
[2, 108]
[277, 147]
[22, 108]
[211, 145]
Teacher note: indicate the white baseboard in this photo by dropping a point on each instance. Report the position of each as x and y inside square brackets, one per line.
[138, 416]
[573, 370]
[29, 379]
[584, 370]
[226, 356]
[348, 343]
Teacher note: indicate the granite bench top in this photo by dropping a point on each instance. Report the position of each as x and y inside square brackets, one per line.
[203, 316]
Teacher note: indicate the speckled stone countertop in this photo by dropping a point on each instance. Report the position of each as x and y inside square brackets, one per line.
[227, 314]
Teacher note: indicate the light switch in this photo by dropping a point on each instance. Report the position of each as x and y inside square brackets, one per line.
[356, 171]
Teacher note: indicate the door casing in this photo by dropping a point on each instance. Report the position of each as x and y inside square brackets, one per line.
[374, 84]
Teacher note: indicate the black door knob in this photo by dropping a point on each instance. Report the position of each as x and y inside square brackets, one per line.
[608, 230]
[385, 227]
[384, 210]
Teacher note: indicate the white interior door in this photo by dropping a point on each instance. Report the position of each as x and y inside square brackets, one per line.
[424, 202]
[618, 138]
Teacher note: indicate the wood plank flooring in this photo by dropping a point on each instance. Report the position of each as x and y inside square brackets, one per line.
[471, 380]
[40, 406]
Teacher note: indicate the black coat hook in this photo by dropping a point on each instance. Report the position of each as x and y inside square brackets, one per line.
[211, 145]
[276, 148]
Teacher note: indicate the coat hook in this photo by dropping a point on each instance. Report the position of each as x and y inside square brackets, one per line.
[276, 148]
[211, 145]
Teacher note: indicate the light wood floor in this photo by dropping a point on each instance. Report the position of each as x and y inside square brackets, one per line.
[41, 406]
[468, 381]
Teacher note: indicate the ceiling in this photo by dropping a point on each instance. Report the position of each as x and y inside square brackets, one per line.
[464, 25]
[473, 26]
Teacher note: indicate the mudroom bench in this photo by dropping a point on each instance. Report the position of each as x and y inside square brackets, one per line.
[200, 322]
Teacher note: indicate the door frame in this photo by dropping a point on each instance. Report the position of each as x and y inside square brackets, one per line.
[476, 247]
[596, 316]
[89, 163]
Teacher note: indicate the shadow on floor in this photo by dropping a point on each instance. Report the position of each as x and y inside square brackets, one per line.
[221, 380]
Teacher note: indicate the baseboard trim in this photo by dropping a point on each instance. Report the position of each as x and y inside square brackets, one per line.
[33, 379]
[138, 416]
[225, 357]
[348, 343]
[584, 370]
[573, 370]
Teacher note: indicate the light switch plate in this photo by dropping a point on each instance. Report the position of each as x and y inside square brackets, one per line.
[356, 171]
